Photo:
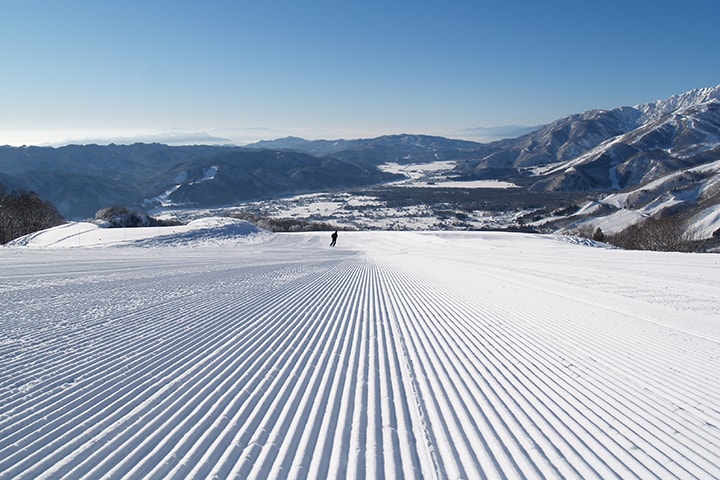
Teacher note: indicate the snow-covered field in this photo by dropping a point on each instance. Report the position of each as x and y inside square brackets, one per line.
[394, 354]
[435, 175]
[368, 212]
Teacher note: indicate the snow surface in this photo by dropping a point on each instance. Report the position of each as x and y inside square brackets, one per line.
[201, 231]
[435, 175]
[394, 354]
[671, 190]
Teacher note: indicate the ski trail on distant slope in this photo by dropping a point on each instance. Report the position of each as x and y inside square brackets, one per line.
[342, 366]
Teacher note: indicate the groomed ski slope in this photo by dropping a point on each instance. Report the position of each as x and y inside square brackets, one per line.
[393, 355]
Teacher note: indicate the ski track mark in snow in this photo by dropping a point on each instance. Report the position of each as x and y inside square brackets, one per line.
[299, 363]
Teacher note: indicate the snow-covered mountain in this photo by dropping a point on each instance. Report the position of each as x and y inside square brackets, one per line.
[660, 108]
[662, 143]
[613, 149]
[660, 157]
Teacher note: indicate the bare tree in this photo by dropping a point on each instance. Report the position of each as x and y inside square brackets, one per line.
[22, 213]
[664, 234]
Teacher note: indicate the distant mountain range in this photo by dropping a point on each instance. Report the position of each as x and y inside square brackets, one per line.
[657, 160]
[614, 149]
[596, 150]
[80, 180]
[668, 151]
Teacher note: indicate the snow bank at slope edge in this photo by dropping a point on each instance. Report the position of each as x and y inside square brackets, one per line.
[204, 231]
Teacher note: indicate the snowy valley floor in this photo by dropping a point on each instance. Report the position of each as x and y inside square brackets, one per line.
[393, 355]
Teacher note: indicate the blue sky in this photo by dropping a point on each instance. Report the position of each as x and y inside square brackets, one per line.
[251, 69]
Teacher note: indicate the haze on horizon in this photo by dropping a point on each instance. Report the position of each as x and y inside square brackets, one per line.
[229, 72]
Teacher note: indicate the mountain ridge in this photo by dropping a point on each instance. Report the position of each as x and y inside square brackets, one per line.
[599, 153]
[615, 137]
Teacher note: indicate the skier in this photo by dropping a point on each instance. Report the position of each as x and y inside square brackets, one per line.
[334, 238]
